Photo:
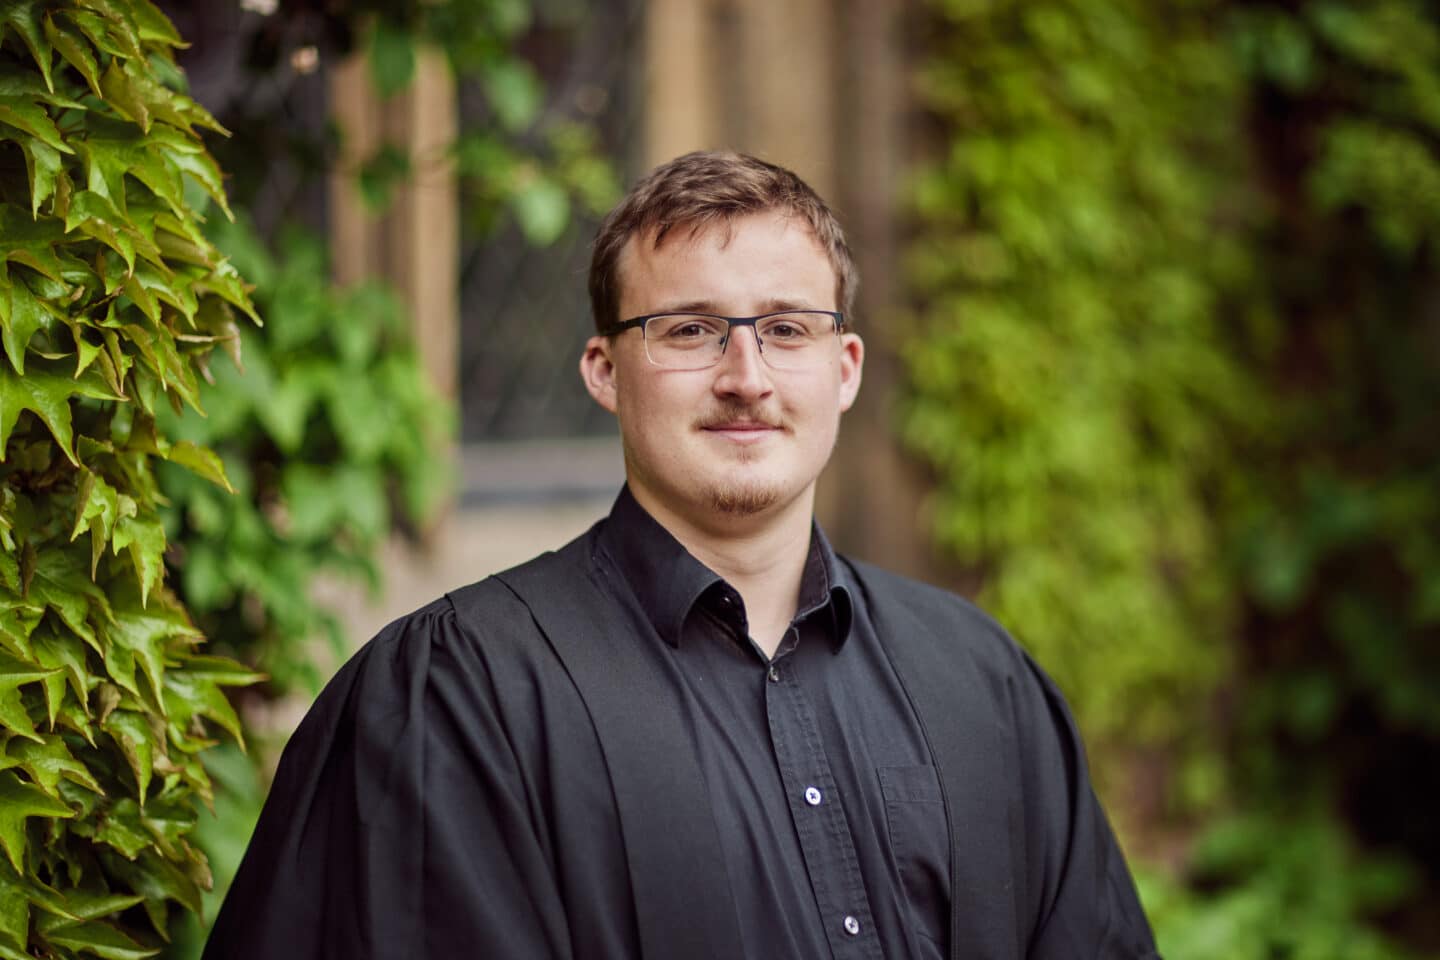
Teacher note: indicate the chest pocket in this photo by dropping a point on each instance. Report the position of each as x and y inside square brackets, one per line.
[920, 843]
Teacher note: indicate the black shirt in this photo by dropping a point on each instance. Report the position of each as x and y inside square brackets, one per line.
[815, 766]
[528, 768]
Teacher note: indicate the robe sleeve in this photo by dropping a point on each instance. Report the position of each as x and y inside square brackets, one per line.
[398, 825]
[1080, 884]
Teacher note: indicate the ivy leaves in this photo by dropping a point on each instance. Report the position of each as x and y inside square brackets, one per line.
[331, 436]
[111, 299]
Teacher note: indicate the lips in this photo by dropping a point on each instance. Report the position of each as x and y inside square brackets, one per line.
[740, 430]
[740, 426]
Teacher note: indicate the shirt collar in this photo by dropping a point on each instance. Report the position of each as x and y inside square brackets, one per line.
[668, 581]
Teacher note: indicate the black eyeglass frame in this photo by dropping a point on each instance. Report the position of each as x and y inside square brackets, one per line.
[621, 326]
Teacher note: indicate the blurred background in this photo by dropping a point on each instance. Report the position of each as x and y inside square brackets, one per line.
[1152, 308]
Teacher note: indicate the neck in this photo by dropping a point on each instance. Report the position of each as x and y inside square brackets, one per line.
[762, 556]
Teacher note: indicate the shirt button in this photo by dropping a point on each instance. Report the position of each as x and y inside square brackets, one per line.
[812, 796]
[774, 675]
[852, 926]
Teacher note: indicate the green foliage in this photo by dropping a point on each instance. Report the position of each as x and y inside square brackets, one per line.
[1273, 886]
[1178, 379]
[524, 166]
[1333, 529]
[332, 438]
[111, 299]
[239, 795]
[1070, 380]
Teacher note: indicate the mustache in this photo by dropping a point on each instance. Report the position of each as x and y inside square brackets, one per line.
[739, 413]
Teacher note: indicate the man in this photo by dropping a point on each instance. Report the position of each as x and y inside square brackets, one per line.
[695, 731]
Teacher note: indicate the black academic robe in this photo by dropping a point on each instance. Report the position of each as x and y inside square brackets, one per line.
[507, 773]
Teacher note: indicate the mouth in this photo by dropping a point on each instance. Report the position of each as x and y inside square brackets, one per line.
[741, 431]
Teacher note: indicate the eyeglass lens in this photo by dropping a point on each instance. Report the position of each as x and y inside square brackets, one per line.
[788, 341]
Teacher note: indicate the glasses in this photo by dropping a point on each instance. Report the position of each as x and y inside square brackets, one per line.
[790, 340]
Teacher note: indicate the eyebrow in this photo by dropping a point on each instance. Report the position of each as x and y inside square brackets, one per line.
[773, 305]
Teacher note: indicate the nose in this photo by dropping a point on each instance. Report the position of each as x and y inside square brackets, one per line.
[742, 371]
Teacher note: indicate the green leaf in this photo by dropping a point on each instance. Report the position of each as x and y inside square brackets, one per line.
[13, 675]
[514, 93]
[139, 294]
[66, 653]
[49, 760]
[72, 717]
[285, 410]
[154, 26]
[188, 155]
[97, 508]
[157, 347]
[119, 36]
[87, 905]
[42, 163]
[188, 696]
[392, 57]
[120, 826]
[19, 801]
[29, 116]
[201, 461]
[121, 93]
[314, 511]
[95, 938]
[27, 315]
[161, 103]
[106, 163]
[18, 619]
[216, 319]
[32, 242]
[47, 395]
[154, 877]
[76, 51]
[24, 17]
[196, 689]
[14, 913]
[379, 174]
[144, 632]
[163, 179]
[97, 501]
[87, 353]
[542, 210]
[60, 582]
[97, 217]
[138, 741]
[144, 537]
[221, 671]
[225, 281]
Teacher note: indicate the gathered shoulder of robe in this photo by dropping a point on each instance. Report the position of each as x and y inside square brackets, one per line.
[499, 774]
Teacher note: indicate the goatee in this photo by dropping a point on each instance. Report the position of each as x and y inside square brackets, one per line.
[743, 501]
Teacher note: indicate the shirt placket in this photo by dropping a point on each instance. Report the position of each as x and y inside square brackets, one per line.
[820, 822]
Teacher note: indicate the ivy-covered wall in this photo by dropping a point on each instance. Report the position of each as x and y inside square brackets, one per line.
[1071, 375]
[1175, 362]
[111, 300]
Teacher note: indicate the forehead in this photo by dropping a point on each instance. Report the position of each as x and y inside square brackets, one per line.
[761, 256]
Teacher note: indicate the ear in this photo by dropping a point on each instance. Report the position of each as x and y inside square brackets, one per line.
[852, 363]
[597, 369]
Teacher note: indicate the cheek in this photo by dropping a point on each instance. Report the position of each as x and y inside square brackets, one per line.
[645, 410]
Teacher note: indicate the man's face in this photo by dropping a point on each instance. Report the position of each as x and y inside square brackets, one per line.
[738, 438]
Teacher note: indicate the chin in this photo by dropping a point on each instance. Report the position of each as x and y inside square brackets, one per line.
[743, 500]
[744, 493]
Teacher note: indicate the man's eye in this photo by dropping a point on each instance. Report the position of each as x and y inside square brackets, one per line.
[791, 328]
[687, 331]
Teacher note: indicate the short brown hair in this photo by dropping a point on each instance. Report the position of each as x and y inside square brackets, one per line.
[702, 188]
